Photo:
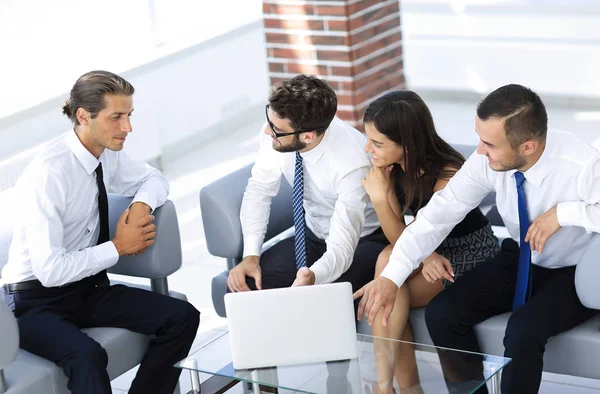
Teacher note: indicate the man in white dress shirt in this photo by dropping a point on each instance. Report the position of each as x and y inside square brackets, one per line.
[547, 185]
[56, 280]
[337, 234]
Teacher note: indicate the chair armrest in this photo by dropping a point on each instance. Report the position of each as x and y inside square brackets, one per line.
[220, 204]
[587, 275]
[9, 336]
[159, 260]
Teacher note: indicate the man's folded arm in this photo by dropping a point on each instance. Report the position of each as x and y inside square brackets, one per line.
[137, 179]
[45, 202]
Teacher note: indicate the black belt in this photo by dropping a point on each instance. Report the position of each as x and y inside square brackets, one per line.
[28, 285]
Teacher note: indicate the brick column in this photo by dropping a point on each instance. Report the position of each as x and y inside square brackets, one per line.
[355, 45]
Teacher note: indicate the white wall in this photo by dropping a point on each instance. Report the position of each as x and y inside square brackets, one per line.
[552, 46]
[177, 98]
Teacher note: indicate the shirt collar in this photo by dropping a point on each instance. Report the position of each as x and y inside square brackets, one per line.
[540, 169]
[313, 155]
[87, 160]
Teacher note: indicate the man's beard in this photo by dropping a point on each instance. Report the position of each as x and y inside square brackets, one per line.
[517, 163]
[294, 146]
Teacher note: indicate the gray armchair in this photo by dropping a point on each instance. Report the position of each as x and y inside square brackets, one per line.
[220, 204]
[572, 353]
[23, 372]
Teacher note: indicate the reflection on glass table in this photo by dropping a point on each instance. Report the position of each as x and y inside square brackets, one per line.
[379, 360]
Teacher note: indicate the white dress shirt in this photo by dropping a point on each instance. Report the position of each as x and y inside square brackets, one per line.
[337, 207]
[55, 238]
[567, 175]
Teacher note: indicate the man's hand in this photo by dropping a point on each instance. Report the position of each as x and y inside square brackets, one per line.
[377, 183]
[250, 266]
[137, 210]
[542, 228]
[134, 236]
[436, 267]
[377, 294]
[304, 277]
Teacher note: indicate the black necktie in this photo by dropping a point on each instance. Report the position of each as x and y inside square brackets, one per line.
[102, 206]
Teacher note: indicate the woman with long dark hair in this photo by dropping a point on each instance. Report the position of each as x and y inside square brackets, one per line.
[410, 163]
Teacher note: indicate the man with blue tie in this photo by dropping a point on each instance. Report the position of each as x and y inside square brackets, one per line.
[56, 279]
[337, 234]
[547, 185]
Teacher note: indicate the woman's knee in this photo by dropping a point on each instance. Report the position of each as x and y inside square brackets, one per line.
[383, 259]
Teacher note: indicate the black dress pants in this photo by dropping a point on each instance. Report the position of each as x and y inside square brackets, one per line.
[488, 290]
[50, 320]
[278, 264]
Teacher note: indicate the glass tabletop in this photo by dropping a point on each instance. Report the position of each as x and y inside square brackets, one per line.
[381, 364]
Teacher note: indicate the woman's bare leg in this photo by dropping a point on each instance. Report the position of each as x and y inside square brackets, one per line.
[420, 293]
[397, 358]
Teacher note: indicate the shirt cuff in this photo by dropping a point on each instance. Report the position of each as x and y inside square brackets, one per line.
[146, 198]
[396, 272]
[321, 273]
[569, 213]
[107, 255]
[252, 245]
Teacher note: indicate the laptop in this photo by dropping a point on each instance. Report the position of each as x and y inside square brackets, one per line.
[290, 326]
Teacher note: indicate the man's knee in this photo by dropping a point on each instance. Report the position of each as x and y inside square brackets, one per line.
[184, 314]
[522, 332]
[90, 356]
[440, 313]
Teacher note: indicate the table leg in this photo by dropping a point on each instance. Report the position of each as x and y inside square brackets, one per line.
[195, 377]
[495, 383]
[255, 384]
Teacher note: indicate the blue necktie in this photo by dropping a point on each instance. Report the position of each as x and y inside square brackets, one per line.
[523, 276]
[297, 205]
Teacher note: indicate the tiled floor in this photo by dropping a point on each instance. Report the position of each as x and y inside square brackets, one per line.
[189, 173]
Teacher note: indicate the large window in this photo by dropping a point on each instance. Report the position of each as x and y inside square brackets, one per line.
[44, 45]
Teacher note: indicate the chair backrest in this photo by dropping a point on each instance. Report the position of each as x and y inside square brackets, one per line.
[220, 204]
[159, 260]
[9, 338]
[9, 214]
[587, 275]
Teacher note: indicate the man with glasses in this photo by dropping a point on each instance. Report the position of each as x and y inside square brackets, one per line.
[337, 234]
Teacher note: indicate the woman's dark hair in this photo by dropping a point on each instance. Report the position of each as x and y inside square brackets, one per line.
[307, 101]
[89, 91]
[403, 117]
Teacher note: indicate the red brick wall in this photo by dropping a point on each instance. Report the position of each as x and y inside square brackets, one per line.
[355, 45]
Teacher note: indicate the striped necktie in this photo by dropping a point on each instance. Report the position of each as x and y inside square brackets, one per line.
[297, 205]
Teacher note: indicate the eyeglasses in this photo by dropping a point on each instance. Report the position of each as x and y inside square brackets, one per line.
[275, 133]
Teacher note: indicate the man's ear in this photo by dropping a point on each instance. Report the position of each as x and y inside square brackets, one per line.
[529, 147]
[309, 137]
[83, 116]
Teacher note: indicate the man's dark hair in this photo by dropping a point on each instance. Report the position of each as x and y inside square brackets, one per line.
[524, 113]
[307, 101]
[89, 91]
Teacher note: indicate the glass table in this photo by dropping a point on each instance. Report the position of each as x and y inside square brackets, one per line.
[379, 360]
